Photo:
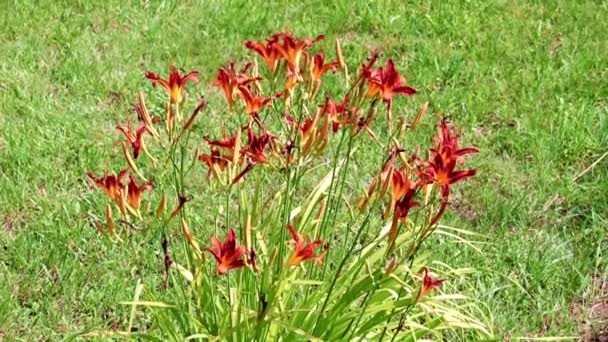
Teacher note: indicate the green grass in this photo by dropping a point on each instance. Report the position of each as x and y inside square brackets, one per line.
[538, 110]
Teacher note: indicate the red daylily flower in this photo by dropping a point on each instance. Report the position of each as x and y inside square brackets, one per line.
[304, 249]
[444, 174]
[269, 52]
[110, 184]
[441, 169]
[253, 102]
[429, 283]
[175, 84]
[226, 142]
[405, 204]
[231, 80]
[135, 192]
[256, 146]
[366, 69]
[447, 143]
[303, 128]
[215, 161]
[133, 138]
[404, 191]
[228, 255]
[387, 82]
[293, 48]
[401, 184]
[319, 68]
[336, 111]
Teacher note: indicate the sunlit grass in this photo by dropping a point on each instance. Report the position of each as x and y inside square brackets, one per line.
[526, 82]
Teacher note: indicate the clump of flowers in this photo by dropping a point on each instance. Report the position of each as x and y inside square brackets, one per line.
[299, 262]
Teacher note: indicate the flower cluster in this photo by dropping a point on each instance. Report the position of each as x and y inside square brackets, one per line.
[281, 122]
[231, 158]
[230, 256]
[126, 196]
[407, 177]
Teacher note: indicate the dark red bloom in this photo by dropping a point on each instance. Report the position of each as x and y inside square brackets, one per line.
[366, 69]
[110, 184]
[231, 80]
[387, 82]
[216, 162]
[256, 146]
[304, 249]
[269, 52]
[429, 283]
[253, 102]
[404, 191]
[405, 204]
[228, 255]
[336, 112]
[226, 142]
[293, 48]
[442, 172]
[401, 184]
[319, 67]
[175, 84]
[133, 138]
[441, 168]
[447, 143]
[135, 192]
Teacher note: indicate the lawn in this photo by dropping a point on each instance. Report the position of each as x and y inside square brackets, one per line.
[527, 82]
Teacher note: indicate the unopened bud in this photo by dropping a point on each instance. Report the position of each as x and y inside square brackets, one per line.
[99, 227]
[340, 58]
[110, 220]
[420, 114]
[322, 208]
[248, 233]
[392, 264]
[162, 206]
[191, 241]
[131, 161]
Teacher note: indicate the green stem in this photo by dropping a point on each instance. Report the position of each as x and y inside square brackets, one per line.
[339, 270]
[337, 200]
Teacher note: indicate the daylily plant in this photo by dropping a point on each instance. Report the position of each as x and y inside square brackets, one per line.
[278, 153]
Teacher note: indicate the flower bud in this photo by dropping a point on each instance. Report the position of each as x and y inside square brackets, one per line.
[162, 206]
[420, 114]
[392, 264]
